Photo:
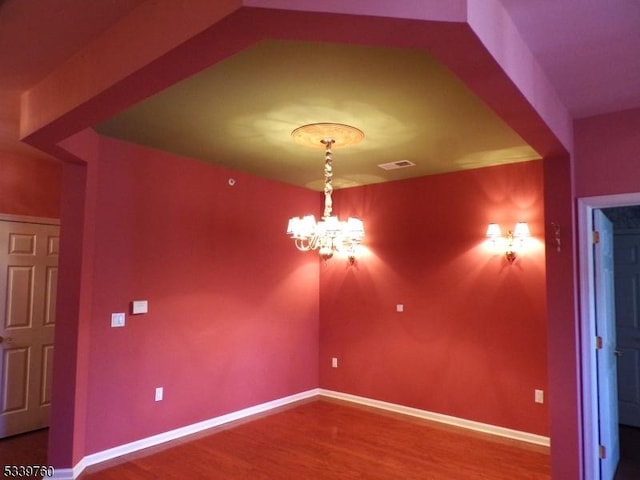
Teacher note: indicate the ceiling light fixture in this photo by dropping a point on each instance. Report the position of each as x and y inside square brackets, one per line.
[330, 234]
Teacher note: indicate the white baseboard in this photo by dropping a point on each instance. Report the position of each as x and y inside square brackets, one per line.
[64, 474]
[438, 417]
[99, 457]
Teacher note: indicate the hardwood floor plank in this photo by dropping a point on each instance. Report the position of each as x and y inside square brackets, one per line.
[328, 439]
[24, 449]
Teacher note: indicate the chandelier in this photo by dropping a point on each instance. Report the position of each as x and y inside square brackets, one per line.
[330, 234]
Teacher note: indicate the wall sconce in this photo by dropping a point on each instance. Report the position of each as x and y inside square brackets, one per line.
[513, 241]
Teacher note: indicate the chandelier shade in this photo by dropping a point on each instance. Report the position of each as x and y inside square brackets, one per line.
[330, 234]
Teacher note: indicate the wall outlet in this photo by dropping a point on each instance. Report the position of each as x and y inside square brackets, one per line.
[334, 362]
[539, 396]
[159, 393]
[399, 307]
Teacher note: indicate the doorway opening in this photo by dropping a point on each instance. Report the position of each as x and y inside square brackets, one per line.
[599, 352]
[29, 248]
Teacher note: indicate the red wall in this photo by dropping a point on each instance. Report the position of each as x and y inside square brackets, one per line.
[471, 341]
[233, 307]
[607, 149]
[29, 186]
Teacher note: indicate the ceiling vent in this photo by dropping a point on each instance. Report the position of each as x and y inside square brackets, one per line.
[397, 165]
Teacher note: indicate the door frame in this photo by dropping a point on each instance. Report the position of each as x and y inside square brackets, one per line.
[586, 206]
[5, 217]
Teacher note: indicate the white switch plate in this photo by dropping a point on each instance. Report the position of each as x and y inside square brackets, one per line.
[334, 362]
[539, 396]
[117, 319]
[139, 306]
[399, 307]
[159, 393]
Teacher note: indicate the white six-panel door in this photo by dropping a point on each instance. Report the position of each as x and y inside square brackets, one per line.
[28, 280]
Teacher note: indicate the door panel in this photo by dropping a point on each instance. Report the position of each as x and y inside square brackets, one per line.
[51, 288]
[627, 278]
[16, 375]
[28, 282]
[19, 296]
[47, 377]
[606, 356]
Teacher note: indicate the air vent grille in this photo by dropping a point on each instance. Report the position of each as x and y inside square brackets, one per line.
[396, 165]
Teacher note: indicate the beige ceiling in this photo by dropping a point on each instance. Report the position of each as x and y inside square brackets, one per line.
[240, 113]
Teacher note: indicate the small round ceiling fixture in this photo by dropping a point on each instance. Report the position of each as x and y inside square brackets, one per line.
[315, 135]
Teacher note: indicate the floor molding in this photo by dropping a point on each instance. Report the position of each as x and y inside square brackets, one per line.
[438, 417]
[6, 217]
[99, 457]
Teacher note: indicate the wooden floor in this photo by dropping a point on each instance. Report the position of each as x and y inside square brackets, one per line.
[325, 439]
[26, 449]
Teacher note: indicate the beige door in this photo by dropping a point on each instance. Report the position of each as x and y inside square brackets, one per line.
[28, 278]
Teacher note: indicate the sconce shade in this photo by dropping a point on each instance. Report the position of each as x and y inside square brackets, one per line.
[521, 230]
[493, 231]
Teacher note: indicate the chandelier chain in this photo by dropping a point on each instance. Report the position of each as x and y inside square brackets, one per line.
[328, 176]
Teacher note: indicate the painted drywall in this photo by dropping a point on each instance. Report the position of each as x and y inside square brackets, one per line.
[471, 341]
[107, 82]
[607, 154]
[562, 326]
[30, 186]
[233, 307]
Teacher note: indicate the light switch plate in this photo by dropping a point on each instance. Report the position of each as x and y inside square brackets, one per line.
[139, 306]
[117, 319]
[400, 307]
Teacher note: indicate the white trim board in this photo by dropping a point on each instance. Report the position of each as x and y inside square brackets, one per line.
[99, 457]
[5, 217]
[587, 324]
[440, 418]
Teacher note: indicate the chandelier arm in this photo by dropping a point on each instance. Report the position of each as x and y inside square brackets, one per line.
[303, 244]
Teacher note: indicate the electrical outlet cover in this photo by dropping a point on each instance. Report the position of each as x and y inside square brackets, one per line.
[117, 319]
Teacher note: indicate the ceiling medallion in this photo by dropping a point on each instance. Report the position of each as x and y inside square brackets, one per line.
[330, 234]
[312, 135]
